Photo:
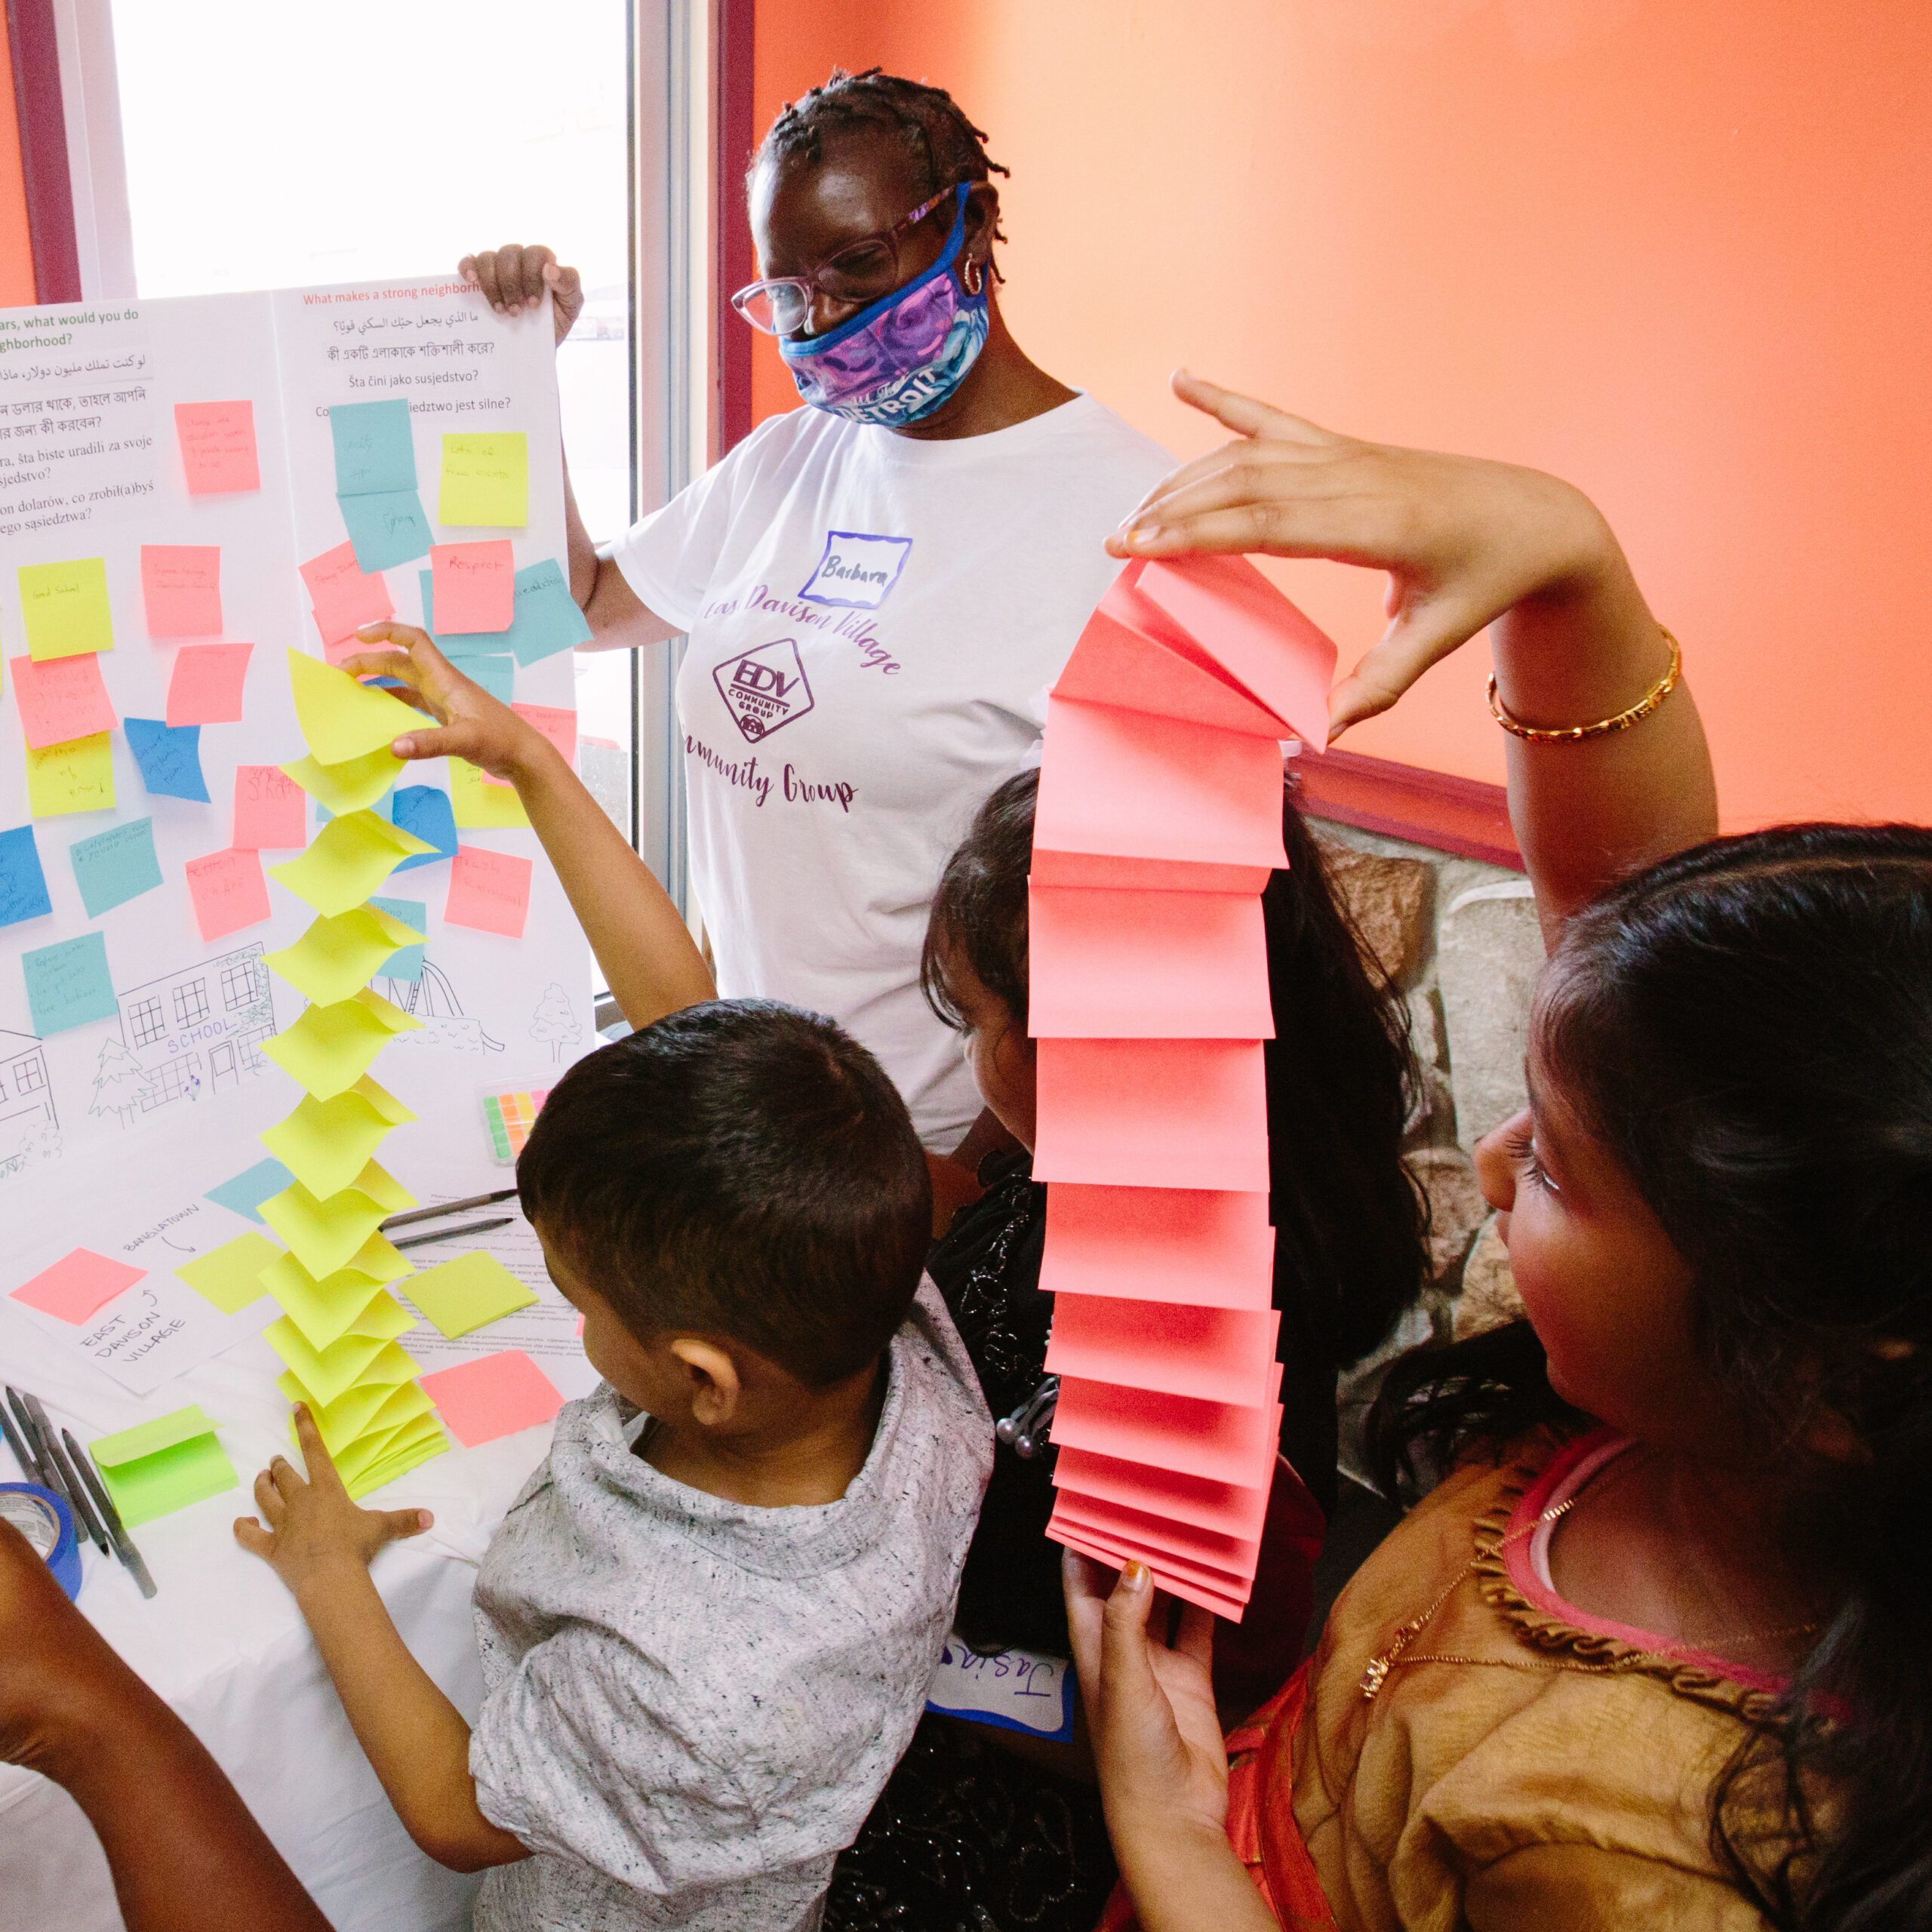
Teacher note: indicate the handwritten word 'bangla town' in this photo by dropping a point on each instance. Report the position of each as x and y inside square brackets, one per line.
[744, 773]
[854, 625]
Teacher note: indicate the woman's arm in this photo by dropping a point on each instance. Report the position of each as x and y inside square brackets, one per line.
[1468, 543]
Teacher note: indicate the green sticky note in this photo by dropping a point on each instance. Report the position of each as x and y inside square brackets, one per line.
[547, 619]
[485, 481]
[386, 529]
[230, 1275]
[66, 607]
[468, 1292]
[159, 1467]
[374, 450]
[113, 867]
[69, 984]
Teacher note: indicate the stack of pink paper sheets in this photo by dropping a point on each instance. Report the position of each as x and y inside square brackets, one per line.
[1158, 823]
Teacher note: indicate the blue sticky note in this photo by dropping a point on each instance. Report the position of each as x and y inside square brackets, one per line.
[497, 675]
[406, 962]
[68, 985]
[383, 808]
[374, 452]
[170, 757]
[428, 813]
[247, 1192]
[23, 883]
[546, 619]
[113, 867]
[387, 529]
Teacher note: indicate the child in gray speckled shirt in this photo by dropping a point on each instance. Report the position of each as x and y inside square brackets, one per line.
[708, 1621]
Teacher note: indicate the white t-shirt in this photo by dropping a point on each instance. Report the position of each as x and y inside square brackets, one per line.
[875, 622]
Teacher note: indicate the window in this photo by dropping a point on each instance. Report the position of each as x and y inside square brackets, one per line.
[237, 984]
[170, 1082]
[253, 1059]
[191, 1002]
[144, 1018]
[29, 1076]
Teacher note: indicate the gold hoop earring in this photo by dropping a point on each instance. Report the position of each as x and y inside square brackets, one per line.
[974, 277]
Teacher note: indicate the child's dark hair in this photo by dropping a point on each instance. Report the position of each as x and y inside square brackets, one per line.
[1747, 1029]
[741, 1169]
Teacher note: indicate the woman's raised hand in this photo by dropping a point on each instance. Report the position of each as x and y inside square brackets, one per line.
[473, 724]
[1462, 538]
[514, 277]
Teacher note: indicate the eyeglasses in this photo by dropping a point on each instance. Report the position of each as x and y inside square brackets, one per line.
[860, 273]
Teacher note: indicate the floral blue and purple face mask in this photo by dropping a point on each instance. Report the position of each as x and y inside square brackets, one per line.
[897, 360]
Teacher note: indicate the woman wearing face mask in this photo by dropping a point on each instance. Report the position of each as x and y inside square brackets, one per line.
[879, 587]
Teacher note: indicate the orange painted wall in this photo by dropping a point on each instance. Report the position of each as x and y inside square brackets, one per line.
[1676, 253]
[17, 287]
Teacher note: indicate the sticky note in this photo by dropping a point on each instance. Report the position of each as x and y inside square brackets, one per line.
[371, 1409]
[322, 1233]
[325, 1144]
[427, 812]
[468, 1292]
[1222, 1442]
[406, 962]
[320, 1376]
[77, 776]
[61, 700]
[479, 804]
[343, 596]
[205, 688]
[77, 1285]
[373, 451]
[1216, 1355]
[548, 619]
[386, 531]
[489, 891]
[68, 984]
[1176, 1578]
[413, 1446]
[217, 441]
[1233, 1557]
[1132, 654]
[181, 589]
[557, 724]
[486, 479]
[250, 1188]
[228, 890]
[170, 759]
[341, 719]
[353, 786]
[1231, 1509]
[329, 1048]
[113, 867]
[324, 1311]
[162, 1466]
[271, 811]
[339, 954]
[496, 674]
[23, 883]
[508, 1118]
[475, 584]
[494, 1395]
[66, 607]
[230, 1276]
[347, 860]
[1212, 1249]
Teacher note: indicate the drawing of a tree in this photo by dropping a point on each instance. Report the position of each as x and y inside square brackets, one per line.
[120, 1081]
[554, 1021]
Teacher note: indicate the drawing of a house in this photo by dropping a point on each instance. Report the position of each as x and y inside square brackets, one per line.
[203, 1026]
[26, 1099]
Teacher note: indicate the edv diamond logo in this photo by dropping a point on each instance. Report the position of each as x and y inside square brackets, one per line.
[763, 688]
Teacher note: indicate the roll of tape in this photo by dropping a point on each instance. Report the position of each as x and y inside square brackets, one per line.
[44, 1520]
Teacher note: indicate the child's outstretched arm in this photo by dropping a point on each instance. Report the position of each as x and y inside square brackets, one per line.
[640, 939]
[319, 1543]
[1468, 543]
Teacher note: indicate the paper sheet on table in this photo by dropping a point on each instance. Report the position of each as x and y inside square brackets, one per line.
[1215, 1354]
[77, 776]
[467, 1293]
[229, 1276]
[341, 719]
[169, 759]
[1231, 1509]
[479, 806]
[181, 590]
[1130, 655]
[426, 811]
[374, 450]
[61, 700]
[488, 890]
[342, 597]
[217, 441]
[69, 984]
[1212, 1249]
[77, 1285]
[159, 1467]
[354, 786]
[271, 810]
[346, 862]
[245, 1193]
[115, 865]
[406, 962]
[65, 607]
[386, 529]
[473, 586]
[1152, 1113]
[326, 1143]
[330, 1048]
[206, 686]
[1179, 965]
[228, 890]
[1221, 1441]
[337, 955]
[22, 883]
[496, 1394]
[485, 480]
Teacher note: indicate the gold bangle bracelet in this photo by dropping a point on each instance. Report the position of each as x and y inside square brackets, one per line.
[1645, 705]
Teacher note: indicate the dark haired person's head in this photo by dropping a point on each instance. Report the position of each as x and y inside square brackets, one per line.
[742, 1173]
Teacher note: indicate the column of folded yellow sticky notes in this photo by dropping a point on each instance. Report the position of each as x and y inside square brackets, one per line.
[339, 1326]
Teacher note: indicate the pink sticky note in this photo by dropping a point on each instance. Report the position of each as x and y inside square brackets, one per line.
[1159, 1244]
[74, 1288]
[228, 891]
[1220, 1441]
[61, 698]
[344, 597]
[1215, 1354]
[473, 587]
[494, 1395]
[1116, 965]
[181, 586]
[558, 725]
[1133, 655]
[1128, 799]
[1231, 1509]
[218, 442]
[1177, 1579]
[206, 687]
[271, 810]
[1232, 1557]
[1152, 1113]
[489, 890]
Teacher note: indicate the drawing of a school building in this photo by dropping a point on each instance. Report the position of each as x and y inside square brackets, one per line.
[26, 1099]
[203, 1026]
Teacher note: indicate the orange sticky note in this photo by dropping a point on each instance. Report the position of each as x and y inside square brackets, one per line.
[1153, 1113]
[1221, 1441]
[218, 442]
[228, 891]
[474, 585]
[74, 1287]
[206, 686]
[1216, 1355]
[488, 890]
[271, 810]
[1212, 1249]
[181, 587]
[558, 725]
[494, 1395]
[1109, 965]
[1131, 654]
[60, 698]
[343, 597]
[1231, 1509]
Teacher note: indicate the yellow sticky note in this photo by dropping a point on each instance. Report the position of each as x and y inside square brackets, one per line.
[351, 786]
[415, 1443]
[318, 1376]
[347, 861]
[341, 719]
[486, 480]
[468, 1292]
[366, 1409]
[336, 956]
[383, 1189]
[479, 807]
[231, 1276]
[322, 1234]
[325, 1143]
[327, 1310]
[329, 1048]
[66, 608]
[76, 776]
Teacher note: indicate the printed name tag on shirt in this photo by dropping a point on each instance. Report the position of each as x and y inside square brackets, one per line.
[1016, 1690]
[856, 571]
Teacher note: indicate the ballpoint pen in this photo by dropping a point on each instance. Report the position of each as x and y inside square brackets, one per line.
[29, 1462]
[124, 1544]
[416, 1214]
[84, 1514]
[36, 1462]
[453, 1234]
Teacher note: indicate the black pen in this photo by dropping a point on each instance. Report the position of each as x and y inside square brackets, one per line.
[29, 1464]
[448, 1207]
[84, 1514]
[35, 1464]
[124, 1544]
[454, 1234]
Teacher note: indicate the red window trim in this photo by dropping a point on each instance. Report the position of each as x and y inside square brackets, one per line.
[731, 240]
[35, 54]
